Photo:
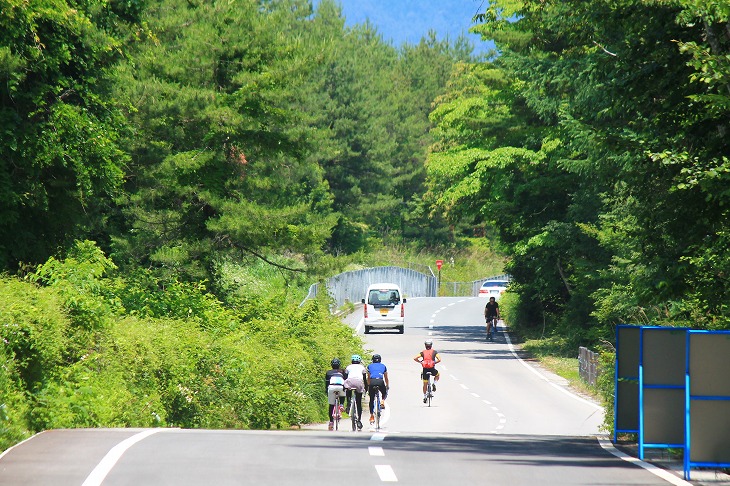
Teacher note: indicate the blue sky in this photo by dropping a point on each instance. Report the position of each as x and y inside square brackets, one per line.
[408, 20]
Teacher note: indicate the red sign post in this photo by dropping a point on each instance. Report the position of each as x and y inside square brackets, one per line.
[439, 263]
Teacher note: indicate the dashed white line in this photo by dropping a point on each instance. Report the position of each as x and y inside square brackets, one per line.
[474, 395]
[463, 386]
[377, 437]
[376, 451]
[386, 473]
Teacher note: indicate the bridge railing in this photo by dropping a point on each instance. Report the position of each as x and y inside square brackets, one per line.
[350, 286]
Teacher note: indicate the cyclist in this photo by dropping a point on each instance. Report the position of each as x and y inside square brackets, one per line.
[334, 381]
[428, 358]
[491, 311]
[355, 383]
[377, 379]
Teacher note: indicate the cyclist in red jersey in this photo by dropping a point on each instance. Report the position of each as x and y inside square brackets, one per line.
[428, 358]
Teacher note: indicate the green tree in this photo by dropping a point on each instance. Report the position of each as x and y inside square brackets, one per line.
[218, 145]
[60, 160]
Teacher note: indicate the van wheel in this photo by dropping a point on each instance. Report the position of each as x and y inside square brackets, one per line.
[401, 329]
[367, 329]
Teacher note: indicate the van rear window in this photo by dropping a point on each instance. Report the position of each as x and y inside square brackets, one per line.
[384, 297]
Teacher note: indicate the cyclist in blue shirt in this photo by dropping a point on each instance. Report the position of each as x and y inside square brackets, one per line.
[377, 379]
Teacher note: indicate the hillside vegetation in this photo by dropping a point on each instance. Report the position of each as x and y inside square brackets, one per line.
[173, 176]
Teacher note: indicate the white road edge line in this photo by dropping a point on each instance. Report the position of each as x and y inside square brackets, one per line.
[564, 390]
[107, 463]
[21, 442]
[386, 473]
[655, 470]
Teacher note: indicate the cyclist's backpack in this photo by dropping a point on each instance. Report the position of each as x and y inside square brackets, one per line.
[428, 361]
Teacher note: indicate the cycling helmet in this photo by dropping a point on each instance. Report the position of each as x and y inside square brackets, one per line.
[428, 343]
[335, 363]
[356, 358]
[376, 358]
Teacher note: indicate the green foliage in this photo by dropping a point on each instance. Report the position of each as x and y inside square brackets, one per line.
[596, 145]
[167, 353]
[60, 158]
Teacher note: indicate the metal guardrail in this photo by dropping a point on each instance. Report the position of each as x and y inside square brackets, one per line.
[588, 365]
[350, 286]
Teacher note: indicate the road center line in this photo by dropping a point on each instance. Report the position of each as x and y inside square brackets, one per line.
[386, 473]
[107, 463]
[376, 451]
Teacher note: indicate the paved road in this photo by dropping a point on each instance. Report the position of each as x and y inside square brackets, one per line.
[494, 420]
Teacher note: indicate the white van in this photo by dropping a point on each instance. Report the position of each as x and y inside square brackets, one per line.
[384, 307]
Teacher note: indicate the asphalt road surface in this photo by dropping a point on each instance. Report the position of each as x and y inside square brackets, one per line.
[495, 419]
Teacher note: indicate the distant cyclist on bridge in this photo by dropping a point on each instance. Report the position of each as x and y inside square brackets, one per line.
[428, 358]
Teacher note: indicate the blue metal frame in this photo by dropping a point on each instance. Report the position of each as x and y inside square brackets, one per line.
[688, 464]
[618, 378]
[642, 386]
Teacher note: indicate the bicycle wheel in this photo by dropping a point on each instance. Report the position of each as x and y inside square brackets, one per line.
[377, 411]
[353, 411]
[336, 412]
[429, 393]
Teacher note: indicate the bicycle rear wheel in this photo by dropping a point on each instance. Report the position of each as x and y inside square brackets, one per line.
[377, 412]
[430, 390]
[336, 412]
[353, 411]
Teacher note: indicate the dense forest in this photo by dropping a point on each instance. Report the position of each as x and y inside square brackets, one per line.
[173, 174]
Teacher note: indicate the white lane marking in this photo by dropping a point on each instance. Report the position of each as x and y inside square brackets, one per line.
[386, 473]
[474, 395]
[376, 451]
[359, 325]
[657, 471]
[453, 303]
[107, 463]
[564, 390]
[487, 402]
[377, 437]
[463, 386]
[18, 444]
[455, 378]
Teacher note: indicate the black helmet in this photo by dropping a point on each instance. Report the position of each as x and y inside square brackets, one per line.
[335, 363]
[376, 358]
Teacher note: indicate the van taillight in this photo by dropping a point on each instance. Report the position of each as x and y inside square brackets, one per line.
[365, 308]
[402, 311]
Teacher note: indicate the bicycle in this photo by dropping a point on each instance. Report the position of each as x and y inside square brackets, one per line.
[491, 327]
[429, 388]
